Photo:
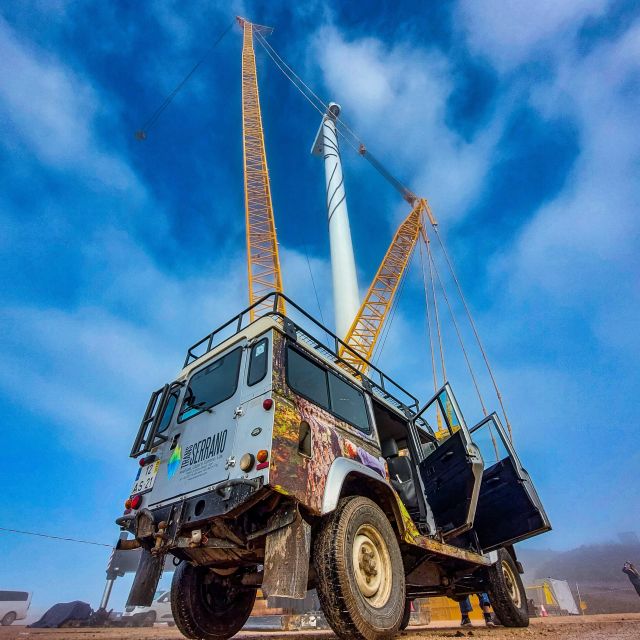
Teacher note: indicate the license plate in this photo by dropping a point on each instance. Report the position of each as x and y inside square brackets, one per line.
[146, 478]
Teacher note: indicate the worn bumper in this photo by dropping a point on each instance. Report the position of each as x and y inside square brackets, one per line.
[191, 512]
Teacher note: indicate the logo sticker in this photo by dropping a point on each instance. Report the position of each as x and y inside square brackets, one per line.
[174, 461]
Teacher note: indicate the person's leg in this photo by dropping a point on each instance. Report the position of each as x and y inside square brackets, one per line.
[485, 605]
[465, 610]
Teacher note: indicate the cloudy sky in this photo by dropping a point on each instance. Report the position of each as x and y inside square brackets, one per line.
[519, 123]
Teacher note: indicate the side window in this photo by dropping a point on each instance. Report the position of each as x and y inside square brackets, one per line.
[348, 403]
[13, 596]
[212, 385]
[258, 362]
[307, 378]
[327, 389]
[168, 412]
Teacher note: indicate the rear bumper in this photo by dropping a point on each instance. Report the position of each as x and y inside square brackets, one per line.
[189, 513]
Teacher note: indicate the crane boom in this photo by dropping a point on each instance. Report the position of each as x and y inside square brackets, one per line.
[368, 323]
[262, 243]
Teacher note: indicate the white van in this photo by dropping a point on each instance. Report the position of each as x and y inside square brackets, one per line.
[13, 606]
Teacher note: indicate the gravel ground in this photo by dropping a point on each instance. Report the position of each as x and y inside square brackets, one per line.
[600, 627]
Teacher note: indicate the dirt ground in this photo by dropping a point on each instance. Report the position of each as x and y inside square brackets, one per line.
[600, 627]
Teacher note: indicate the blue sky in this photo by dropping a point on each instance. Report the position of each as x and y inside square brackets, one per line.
[517, 121]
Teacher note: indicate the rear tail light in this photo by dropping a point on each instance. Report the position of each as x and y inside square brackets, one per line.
[127, 503]
[148, 460]
[267, 403]
[262, 457]
[136, 501]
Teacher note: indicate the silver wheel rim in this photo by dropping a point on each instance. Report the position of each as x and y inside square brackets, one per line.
[512, 584]
[372, 566]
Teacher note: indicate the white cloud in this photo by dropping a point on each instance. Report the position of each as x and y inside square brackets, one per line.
[510, 32]
[53, 111]
[581, 248]
[396, 98]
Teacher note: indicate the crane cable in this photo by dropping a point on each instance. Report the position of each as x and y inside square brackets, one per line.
[455, 324]
[436, 313]
[141, 134]
[350, 137]
[428, 315]
[303, 88]
[464, 351]
[296, 80]
[475, 331]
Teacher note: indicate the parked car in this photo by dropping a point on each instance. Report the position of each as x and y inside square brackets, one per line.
[13, 606]
[159, 611]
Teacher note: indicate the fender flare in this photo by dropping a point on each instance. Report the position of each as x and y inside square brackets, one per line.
[340, 469]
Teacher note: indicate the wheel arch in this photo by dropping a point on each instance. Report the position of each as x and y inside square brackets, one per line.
[349, 477]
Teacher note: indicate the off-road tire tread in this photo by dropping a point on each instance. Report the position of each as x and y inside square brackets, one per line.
[406, 616]
[183, 587]
[329, 565]
[499, 596]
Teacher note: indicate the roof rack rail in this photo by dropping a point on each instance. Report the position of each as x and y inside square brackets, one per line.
[375, 380]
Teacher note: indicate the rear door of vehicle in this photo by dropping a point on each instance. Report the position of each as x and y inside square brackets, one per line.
[451, 470]
[509, 509]
[203, 427]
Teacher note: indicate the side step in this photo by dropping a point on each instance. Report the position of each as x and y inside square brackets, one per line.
[449, 551]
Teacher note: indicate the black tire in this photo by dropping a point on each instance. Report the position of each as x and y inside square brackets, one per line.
[149, 619]
[406, 616]
[358, 523]
[506, 592]
[208, 606]
[8, 619]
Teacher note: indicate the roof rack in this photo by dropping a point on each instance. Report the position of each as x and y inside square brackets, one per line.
[375, 381]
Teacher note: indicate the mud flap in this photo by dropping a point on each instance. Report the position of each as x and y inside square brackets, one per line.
[286, 560]
[146, 579]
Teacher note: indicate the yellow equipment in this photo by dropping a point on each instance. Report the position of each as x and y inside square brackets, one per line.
[368, 323]
[262, 243]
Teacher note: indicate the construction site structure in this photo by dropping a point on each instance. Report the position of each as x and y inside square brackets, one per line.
[346, 297]
[262, 244]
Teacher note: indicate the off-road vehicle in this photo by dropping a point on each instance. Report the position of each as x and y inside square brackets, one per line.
[272, 463]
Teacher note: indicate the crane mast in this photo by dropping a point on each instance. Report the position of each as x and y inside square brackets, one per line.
[262, 243]
[368, 323]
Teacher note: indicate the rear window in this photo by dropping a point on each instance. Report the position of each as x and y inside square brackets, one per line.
[14, 596]
[168, 411]
[258, 362]
[327, 389]
[212, 385]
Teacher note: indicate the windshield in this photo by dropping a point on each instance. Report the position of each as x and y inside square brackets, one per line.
[212, 385]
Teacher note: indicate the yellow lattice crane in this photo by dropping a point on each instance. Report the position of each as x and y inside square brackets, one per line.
[262, 243]
[367, 325]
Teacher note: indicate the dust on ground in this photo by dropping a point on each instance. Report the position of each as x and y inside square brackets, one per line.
[598, 627]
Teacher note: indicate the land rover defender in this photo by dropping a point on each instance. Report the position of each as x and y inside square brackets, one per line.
[272, 463]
